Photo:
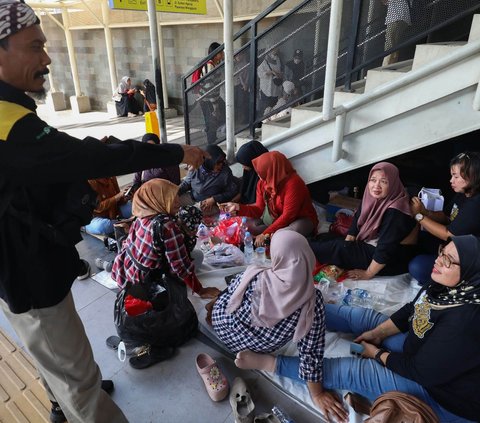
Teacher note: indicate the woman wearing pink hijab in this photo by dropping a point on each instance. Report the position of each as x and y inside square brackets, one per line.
[264, 308]
[383, 234]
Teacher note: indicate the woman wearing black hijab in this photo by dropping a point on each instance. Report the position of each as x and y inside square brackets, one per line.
[210, 184]
[430, 348]
[245, 154]
[150, 98]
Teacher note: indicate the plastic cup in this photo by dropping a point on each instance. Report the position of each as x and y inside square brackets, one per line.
[260, 255]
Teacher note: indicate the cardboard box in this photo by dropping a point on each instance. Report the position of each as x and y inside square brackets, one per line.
[341, 202]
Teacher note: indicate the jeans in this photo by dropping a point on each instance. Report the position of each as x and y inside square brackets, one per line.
[363, 376]
[103, 225]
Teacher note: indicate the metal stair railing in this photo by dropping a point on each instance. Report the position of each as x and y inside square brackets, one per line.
[362, 41]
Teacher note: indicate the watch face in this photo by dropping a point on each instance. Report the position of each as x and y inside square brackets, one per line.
[418, 217]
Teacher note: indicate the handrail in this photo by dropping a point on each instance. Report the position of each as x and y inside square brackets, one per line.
[458, 55]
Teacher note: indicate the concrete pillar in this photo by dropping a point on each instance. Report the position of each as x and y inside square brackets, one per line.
[109, 43]
[79, 102]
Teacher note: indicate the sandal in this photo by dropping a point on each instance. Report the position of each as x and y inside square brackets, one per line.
[215, 382]
[241, 402]
[150, 356]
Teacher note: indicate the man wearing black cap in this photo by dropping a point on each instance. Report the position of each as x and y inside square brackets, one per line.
[44, 199]
[295, 71]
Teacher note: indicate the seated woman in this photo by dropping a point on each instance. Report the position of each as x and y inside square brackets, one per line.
[286, 307]
[112, 205]
[382, 237]
[155, 241]
[171, 173]
[245, 154]
[460, 216]
[126, 102]
[209, 185]
[282, 200]
[429, 348]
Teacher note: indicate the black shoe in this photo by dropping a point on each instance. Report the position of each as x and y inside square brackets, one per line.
[56, 414]
[151, 356]
[107, 386]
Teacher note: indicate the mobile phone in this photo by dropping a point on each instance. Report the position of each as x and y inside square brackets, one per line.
[356, 349]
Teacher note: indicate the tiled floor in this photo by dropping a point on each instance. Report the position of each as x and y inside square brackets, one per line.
[170, 391]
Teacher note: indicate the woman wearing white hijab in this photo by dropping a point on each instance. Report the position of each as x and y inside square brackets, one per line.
[264, 308]
[124, 98]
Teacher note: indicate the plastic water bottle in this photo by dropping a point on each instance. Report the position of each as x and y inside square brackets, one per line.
[281, 415]
[243, 228]
[358, 297]
[248, 247]
[203, 234]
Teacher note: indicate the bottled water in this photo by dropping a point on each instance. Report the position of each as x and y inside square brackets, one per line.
[358, 297]
[248, 248]
[243, 228]
[203, 234]
[281, 415]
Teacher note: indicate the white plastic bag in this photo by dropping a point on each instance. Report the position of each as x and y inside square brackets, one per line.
[431, 198]
[224, 255]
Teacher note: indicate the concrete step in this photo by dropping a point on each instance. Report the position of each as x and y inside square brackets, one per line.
[427, 53]
[275, 127]
[380, 76]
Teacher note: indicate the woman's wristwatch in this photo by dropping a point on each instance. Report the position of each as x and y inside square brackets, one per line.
[419, 217]
[378, 355]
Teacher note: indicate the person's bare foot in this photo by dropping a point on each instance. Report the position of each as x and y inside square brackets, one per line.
[252, 360]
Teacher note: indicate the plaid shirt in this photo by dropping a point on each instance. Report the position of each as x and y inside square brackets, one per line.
[140, 242]
[237, 333]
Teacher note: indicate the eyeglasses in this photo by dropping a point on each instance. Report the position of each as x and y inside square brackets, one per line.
[446, 259]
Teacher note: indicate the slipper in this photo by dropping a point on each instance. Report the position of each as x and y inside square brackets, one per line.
[215, 382]
[241, 402]
[150, 356]
[266, 418]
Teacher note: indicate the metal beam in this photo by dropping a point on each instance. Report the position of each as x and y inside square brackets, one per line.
[229, 90]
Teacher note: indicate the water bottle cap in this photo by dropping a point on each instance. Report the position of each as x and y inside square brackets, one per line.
[247, 234]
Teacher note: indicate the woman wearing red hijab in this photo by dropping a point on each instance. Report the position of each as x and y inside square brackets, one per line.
[383, 233]
[282, 200]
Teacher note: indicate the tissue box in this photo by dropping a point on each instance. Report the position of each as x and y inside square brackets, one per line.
[341, 202]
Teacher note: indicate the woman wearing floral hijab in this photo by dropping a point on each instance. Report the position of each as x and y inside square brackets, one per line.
[429, 348]
[382, 235]
[155, 241]
[282, 200]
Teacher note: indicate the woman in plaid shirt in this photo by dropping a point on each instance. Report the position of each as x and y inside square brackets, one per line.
[155, 241]
[264, 308]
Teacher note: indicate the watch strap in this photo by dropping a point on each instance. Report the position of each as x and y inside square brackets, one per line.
[378, 354]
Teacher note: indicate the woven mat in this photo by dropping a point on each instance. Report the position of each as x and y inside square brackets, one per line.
[22, 396]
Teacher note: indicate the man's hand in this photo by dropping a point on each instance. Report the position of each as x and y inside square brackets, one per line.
[194, 156]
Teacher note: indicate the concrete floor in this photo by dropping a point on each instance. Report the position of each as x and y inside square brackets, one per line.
[171, 391]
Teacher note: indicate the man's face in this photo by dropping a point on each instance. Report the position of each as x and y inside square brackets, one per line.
[24, 63]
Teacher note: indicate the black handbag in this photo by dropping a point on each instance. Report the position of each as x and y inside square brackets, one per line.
[171, 326]
[276, 80]
[173, 320]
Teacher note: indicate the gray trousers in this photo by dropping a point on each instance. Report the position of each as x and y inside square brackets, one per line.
[56, 339]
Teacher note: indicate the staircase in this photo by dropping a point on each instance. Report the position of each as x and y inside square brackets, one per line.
[396, 109]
